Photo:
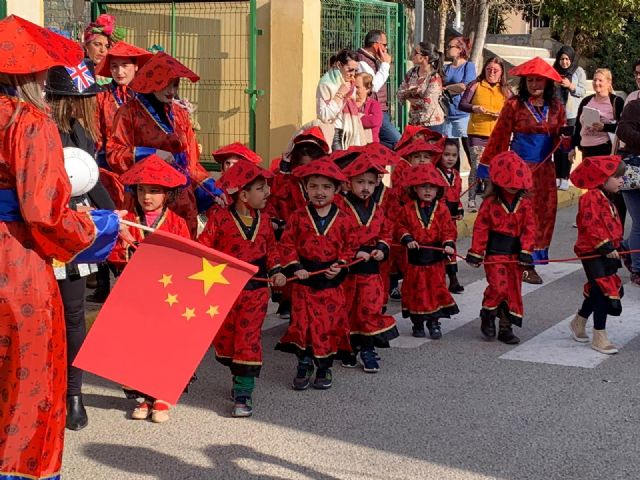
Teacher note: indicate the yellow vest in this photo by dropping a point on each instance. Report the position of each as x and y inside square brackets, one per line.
[493, 100]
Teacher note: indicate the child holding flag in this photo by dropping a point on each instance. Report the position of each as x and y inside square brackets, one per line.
[243, 232]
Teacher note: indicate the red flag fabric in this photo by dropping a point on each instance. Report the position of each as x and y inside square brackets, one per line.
[162, 315]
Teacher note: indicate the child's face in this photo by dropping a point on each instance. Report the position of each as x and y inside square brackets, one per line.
[419, 158]
[321, 190]
[363, 185]
[449, 156]
[256, 195]
[229, 162]
[613, 184]
[426, 192]
[151, 197]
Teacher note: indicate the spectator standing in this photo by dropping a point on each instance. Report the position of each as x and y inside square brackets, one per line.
[570, 91]
[369, 108]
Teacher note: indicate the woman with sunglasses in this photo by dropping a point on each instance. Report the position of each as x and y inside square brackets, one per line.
[423, 86]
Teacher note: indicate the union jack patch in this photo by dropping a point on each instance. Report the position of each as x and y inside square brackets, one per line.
[81, 76]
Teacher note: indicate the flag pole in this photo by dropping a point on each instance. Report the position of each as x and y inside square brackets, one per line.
[137, 225]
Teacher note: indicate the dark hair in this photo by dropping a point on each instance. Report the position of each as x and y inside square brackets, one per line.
[373, 36]
[435, 57]
[344, 55]
[452, 141]
[493, 190]
[336, 183]
[620, 170]
[636, 64]
[548, 95]
[464, 44]
[504, 84]
[305, 149]
[332, 60]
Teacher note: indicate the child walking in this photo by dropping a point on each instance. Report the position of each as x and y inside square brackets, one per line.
[242, 231]
[446, 166]
[425, 228]
[364, 286]
[316, 238]
[600, 233]
[504, 235]
[155, 184]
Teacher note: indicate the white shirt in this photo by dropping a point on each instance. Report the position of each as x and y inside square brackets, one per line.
[379, 78]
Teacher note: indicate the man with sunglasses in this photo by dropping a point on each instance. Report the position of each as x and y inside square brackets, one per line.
[375, 60]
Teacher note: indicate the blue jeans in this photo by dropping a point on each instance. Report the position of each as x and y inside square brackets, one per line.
[632, 201]
[389, 134]
[456, 128]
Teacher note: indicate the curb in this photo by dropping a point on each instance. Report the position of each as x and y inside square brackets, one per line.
[565, 199]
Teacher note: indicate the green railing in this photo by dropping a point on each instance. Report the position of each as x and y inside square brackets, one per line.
[344, 24]
[216, 39]
[3, 8]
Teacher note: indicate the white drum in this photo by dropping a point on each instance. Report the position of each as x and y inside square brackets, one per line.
[82, 170]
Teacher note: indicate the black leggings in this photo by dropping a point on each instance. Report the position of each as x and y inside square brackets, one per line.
[561, 159]
[72, 292]
[597, 304]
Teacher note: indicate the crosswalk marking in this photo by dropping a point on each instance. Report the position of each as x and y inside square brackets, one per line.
[470, 303]
[555, 345]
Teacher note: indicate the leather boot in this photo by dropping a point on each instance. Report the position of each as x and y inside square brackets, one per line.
[601, 343]
[505, 331]
[529, 275]
[488, 327]
[577, 327]
[76, 414]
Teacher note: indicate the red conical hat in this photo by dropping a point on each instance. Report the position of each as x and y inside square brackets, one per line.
[381, 154]
[236, 149]
[241, 173]
[362, 164]
[153, 170]
[536, 67]
[421, 146]
[593, 172]
[508, 170]
[410, 131]
[322, 166]
[123, 50]
[313, 135]
[342, 158]
[158, 72]
[421, 174]
[27, 48]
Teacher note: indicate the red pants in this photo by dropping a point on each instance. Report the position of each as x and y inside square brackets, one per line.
[505, 285]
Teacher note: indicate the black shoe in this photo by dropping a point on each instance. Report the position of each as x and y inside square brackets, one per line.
[76, 414]
[369, 361]
[98, 296]
[418, 331]
[303, 376]
[384, 310]
[488, 327]
[480, 187]
[284, 310]
[455, 287]
[132, 394]
[506, 336]
[351, 361]
[243, 407]
[435, 332]
[395, 294]
[323, 379]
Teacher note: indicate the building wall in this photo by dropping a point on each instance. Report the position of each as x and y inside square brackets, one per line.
[31, 10]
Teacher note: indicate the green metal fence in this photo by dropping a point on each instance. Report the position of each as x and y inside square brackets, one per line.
[344, 24]
[216, 39]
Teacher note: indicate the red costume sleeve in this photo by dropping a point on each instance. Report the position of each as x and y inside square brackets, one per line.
[448, 227]
[501, 135]
[597, 226]
[481, 229]
[528, 236]
[121, 144]
[288, 251]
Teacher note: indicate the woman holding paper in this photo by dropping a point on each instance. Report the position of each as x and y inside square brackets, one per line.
[596, 123]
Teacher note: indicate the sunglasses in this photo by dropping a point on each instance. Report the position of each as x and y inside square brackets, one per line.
[383, 44]
[453, 46]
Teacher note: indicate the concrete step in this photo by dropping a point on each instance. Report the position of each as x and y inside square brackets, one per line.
[517, 60]
[517, 51]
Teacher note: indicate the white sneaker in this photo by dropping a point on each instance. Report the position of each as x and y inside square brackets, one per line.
[564, 184]
[558, 180]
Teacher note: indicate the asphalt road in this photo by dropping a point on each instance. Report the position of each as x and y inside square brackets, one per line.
[451, 409]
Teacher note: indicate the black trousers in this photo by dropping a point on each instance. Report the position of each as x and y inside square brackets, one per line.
[605, 149]
[597, 304]
[561, 159]
[72, 292]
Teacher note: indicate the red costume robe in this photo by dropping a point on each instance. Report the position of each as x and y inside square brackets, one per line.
[386, 198]
[238, 343]
[600, 232]
[36, 225]
[424, 290]
[139, 130]
[452, 199]
[318, 306]
[364, 286]
[535, 133]
[503, 231]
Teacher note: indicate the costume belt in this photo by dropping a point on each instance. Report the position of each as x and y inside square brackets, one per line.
[532, 147]
[501, 244]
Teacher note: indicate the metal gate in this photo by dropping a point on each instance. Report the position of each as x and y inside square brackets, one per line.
[344, 24]
[214, 39]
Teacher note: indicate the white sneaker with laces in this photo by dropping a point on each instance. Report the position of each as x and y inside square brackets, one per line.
[564, 184]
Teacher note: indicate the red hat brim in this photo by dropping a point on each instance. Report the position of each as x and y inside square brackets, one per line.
[410, 131]
[240, 174]
[153, 170]
[321, 166]
[123, 50]
[536, 67]
[28, 48]
[508, 170]
[236, 149]
[158, 72]
[381, 154]
[593, 172]
[364, 163]
[422, 174]
[314, 135]
[421, 146]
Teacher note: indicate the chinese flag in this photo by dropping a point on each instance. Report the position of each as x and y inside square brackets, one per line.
[162, 315]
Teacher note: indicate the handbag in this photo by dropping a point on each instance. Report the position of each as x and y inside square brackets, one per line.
[631, 178]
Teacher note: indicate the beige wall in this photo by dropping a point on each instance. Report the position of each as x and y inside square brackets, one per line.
[32, 10]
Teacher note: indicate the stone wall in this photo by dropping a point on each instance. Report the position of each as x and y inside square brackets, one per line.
[519, 40]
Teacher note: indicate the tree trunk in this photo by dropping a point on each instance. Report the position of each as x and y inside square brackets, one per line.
[472, 13]
[481, 33]
[568, 33]
[442, 24]
[410, 17]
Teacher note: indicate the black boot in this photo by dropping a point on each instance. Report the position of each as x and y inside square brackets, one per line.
[454, 284]
[417, 330]
[435, 332]
[505, 332]
[76, 414]
[488, 326]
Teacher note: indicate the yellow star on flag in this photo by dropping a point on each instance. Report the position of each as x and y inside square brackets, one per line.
[213, 310]
[210, 275]
[171, 299]
[189, 313]
[166, 280]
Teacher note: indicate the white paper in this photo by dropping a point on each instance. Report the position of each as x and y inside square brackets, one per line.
[589, 116]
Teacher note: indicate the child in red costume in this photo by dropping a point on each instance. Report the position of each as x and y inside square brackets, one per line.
[426, 222]
[504, 231]
[241, 230]
[446, 166]
[364, 286]
[155, 183]
[600, 233]
[317, 237]
[412, 133]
